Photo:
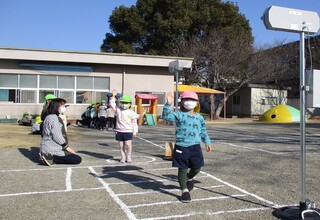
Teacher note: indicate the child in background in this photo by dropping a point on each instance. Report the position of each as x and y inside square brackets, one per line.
[47, 100]
[126, 125]
[111, 118]
[93, 113]
[102, 114]
[35, 129]
[190, 132]
[25, 120]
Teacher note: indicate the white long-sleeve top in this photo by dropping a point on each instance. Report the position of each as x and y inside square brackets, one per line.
[126, 119]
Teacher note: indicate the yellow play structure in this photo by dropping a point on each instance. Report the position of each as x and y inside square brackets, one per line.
[281, 113]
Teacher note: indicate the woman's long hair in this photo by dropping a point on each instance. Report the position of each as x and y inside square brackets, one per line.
[54, 105]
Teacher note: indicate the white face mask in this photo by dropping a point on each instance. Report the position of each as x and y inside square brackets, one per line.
[125, 106]
[189, 105]
[63, 110]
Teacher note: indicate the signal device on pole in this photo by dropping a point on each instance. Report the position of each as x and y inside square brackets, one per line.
[291, 20]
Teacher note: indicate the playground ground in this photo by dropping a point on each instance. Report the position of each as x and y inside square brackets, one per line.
[253, 170]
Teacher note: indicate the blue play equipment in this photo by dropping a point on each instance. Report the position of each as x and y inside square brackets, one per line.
[150, 119]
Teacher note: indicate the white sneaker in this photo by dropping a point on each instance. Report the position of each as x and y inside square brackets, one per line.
[129, 160]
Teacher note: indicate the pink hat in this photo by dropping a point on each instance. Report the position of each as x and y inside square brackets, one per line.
[189, 95]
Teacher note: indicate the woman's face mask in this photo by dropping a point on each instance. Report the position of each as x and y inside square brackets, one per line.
[189, 104]
[125, 105]
[63, 109]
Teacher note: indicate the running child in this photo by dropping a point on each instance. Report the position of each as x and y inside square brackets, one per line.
[190, 132]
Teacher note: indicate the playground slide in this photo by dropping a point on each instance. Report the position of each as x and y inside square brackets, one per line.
[150, 119]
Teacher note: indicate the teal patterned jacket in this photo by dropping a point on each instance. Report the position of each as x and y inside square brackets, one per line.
[190, 128]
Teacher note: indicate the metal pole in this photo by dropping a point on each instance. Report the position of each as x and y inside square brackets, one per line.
[302, 118]
[123, 79]
[177, 90]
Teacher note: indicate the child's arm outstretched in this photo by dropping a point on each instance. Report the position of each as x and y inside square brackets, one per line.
[170, 97]
[167, 113]
[112, 101]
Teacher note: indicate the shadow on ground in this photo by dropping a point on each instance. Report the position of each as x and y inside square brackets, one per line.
[31, 153]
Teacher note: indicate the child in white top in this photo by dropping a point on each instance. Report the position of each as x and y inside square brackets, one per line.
[126, 125]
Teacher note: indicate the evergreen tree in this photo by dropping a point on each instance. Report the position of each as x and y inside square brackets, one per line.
[155, 26]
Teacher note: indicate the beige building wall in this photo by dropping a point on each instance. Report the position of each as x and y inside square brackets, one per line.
[128, 73]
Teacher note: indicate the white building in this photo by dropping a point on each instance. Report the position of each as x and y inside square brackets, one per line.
[28, 75]
[254, 100]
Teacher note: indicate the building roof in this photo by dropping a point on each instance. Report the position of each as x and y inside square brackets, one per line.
[147, 96]
[87, 57]
[198, 89]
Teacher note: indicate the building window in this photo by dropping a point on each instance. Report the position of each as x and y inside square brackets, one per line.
[236, 100]
[66, 82]
[100, 96]
[4, 95]
[48, 81]
[8, 80]
[83, 97]
[269, 101]
[28, 81]
[67, 95]
[84, 82]
[27, 96]
[101, 83]
[9, 95]
[23, 88]
[161, 97]
[43, 93]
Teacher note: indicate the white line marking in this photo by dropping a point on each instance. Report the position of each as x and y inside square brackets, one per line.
[149, 180]
[152, 159]
[157, 145]
[251, 148]
[50, 191]
[216, 213]
[68, 179]
[126, 208]
[239, 189]
[208, 213]
[165, 190]
[144, 181]
[117, 159]
[140, 170]
[193, 200]
[235, 187]
[111, 161]
[122, 205]
[61, 167]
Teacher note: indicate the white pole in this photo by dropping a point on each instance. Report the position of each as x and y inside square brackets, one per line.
[302, 117]
[177, 90]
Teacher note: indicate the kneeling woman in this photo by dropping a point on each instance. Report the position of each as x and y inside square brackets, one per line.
[54, 147]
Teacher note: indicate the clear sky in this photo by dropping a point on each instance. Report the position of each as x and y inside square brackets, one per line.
[80, 25]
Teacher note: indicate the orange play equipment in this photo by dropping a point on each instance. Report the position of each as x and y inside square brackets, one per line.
[147, 112]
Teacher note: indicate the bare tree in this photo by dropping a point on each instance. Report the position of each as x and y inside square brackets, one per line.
[227, 61]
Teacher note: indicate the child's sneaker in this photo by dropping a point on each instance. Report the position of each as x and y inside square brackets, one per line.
[47, 160]
[129, 160]
[190, 185]
[122, 160]
[186, 197]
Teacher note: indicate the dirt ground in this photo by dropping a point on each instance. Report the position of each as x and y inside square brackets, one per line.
[14, 135]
